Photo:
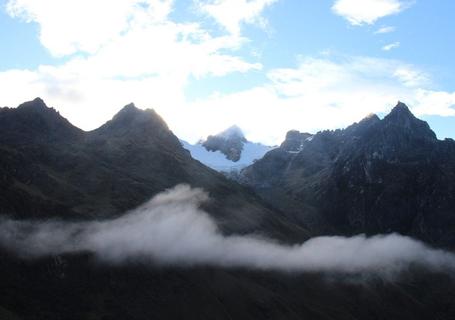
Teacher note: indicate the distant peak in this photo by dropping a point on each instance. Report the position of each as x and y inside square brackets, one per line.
[400, 114]
[129, 112]
[401, 105]
[294, 140]
[402, 117]
[132, 112]
[295, 134]
[131, 107]
[36, 103]
[38, 120]
[371, 116]
[38, 100]
[131, 116]
[401, 108]
[230, 142]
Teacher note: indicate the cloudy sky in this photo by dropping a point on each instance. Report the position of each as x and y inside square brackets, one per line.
[265, 65]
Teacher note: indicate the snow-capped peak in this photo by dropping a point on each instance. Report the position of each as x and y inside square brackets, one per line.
[227, 151]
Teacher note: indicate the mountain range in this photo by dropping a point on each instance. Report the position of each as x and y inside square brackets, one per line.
[50, 168]
[376, 176]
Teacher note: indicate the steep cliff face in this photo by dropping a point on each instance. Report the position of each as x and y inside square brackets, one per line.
[376, 176]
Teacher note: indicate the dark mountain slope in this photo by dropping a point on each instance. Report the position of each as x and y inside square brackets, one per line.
[376, 176]
[76, 288]
[50, 168]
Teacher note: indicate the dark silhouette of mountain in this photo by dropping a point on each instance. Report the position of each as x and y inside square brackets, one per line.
[375, 176]
[49, 168]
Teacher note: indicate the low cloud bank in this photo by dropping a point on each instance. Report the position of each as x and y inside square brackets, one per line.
[171, 229]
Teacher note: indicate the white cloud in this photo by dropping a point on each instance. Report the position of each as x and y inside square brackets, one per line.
[411, 77]
[145, 57]
[391, 46]
[360, 12]
[231, 14]
[383, 30]
[171, 229]
[71, 26]
[440, 103]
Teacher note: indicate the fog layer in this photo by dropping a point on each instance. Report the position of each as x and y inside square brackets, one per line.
[171, 229]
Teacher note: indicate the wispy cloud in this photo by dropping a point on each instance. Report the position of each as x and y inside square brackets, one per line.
[360, 12]
[171, 229]
[391, 46]
[387, 29]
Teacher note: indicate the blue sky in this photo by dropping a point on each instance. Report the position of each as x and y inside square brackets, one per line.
[267, 65]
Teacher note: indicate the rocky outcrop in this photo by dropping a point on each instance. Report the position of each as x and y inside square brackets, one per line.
[294, 141]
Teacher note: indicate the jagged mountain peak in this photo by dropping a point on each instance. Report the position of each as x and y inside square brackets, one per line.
[402, 106]
[401, 119]
[37, 104]
[132, 118]
[294, 140]
[130, 107]
[371, 117]
[131, 112]
[358, 128]
[401, 111]
[134, 125]
[36, 121]
[294, 133]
